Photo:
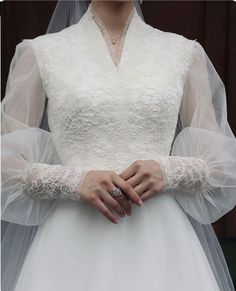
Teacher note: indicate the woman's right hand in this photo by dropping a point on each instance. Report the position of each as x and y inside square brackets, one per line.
[97, 187]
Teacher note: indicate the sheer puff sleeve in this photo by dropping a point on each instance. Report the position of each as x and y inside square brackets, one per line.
[201, 171]
[32, 176]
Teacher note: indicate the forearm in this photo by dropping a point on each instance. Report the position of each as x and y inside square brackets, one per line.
[45, 181]
[188, 173]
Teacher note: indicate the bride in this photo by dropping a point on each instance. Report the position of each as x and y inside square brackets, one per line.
[99, 118]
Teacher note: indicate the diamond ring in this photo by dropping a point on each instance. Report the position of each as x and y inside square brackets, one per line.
[116, 192]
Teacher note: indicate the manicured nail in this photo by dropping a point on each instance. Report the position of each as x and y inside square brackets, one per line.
[140, 203]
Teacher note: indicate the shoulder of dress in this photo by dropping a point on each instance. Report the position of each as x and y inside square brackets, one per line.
[173, 47]
[180, 40]
[168, 38]
[56, 37]
[177, 43]
[176, 38]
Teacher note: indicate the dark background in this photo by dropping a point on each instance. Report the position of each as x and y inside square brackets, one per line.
[212, 23]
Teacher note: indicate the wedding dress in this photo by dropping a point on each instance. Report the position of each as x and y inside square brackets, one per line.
[103, 115]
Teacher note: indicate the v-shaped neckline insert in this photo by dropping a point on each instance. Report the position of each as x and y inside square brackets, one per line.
[128, 27]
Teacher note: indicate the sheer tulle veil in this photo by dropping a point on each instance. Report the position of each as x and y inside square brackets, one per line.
[17, 238]
[67, 13]
[194, 137]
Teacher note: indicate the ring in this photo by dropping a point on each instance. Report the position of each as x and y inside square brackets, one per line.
[116, 192]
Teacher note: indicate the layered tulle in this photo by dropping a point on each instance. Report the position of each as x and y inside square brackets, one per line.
[23, 141]
[203, 132]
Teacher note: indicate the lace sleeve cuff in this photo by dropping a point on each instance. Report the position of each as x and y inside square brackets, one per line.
[187, 173]
[45, 181]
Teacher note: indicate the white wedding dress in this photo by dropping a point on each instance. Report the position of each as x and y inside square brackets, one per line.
[103, 116]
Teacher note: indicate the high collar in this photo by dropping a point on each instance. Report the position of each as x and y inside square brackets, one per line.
[134, 34]
[90, 13]
[135, 19]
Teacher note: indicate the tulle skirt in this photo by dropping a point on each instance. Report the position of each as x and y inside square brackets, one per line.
[154, 249]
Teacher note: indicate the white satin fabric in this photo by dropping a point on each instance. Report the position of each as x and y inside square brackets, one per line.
[162, 78]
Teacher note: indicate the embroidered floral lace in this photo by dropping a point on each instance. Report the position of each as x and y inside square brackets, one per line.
[101, 117]
[105, 117]
[64, 182]
[187, 173]
[52, 181]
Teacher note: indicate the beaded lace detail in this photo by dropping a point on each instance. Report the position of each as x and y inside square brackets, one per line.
[187, 173]
[51, 181]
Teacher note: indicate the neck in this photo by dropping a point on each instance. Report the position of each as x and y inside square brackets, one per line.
[113, 13]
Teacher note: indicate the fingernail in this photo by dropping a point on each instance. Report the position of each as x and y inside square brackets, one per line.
[140, 203]
[116, 221]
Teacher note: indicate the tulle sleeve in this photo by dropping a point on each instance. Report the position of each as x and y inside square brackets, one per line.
[25, 143]
[204, 133]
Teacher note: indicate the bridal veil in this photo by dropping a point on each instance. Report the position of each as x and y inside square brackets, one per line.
[202, 131]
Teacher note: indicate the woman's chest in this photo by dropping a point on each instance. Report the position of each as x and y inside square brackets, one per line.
[87, 94]
[86, 91]
[146, 85]
[143, 96]
[152, 67]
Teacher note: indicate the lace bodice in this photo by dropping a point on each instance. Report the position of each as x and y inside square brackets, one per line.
[105, 118]
[102, 116]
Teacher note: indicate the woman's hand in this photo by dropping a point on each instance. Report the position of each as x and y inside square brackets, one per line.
[145, 176]
[97, 188]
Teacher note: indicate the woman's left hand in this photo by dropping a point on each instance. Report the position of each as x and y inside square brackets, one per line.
[145, 176]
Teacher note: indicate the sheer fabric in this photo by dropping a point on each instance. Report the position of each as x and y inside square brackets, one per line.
[24, 108]
[187, 173]
[25, 145]
[203, 132]
[25, 142]
[67, 13]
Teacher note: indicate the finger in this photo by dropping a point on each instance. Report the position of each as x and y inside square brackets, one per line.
[104, 210]
[113, 203]
[151, 192]
[127, 189]
[146, 195]
[135, 180]
[129, 172]
[123, 200]
[141, 188]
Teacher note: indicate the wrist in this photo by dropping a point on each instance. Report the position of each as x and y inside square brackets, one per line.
[45, 181]
[188, 173]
